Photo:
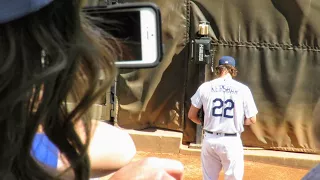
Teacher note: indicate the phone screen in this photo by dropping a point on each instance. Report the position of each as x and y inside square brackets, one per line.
[126, 27]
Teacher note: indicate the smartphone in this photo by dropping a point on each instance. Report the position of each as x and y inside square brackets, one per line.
[137, 28]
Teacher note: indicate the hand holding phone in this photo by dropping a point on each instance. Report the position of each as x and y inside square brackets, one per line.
[137, 27]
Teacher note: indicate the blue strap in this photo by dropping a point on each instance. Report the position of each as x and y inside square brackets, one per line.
[44, 150]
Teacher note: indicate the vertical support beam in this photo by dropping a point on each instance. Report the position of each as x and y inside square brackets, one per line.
[199, 132]
[114, 103]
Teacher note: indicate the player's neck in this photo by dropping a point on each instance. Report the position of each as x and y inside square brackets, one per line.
[225, 75]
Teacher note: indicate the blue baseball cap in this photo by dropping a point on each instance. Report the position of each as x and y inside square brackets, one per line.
[14, 9]
[227, 60]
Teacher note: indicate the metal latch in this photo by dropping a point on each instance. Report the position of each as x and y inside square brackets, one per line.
[111, 2]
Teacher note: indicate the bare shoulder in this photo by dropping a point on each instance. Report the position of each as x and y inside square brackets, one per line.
[113, 139]
[110, 148]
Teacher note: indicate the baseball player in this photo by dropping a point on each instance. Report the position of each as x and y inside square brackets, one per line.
[227, 105]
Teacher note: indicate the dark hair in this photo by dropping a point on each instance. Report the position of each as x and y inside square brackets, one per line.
[231, 69]
[76, 55]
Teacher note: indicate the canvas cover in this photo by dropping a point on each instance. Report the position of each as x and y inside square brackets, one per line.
[276, 45]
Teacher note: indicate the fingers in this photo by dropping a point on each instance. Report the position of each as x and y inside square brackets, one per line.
[172, 167]
[163, 175]
[151, 169]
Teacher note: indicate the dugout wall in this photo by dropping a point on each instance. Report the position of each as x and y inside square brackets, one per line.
[276, 45]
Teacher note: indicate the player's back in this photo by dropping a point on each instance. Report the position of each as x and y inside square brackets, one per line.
[223, 103]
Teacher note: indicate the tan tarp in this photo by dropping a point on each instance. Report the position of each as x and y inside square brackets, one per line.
[155, 97]
[276, 44]
[277, 47]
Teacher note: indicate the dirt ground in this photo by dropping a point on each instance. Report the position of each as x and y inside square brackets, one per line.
[253, 170]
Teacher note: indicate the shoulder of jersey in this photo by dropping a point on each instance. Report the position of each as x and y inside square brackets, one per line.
[205, 84]
[239, 84]
[235, 82]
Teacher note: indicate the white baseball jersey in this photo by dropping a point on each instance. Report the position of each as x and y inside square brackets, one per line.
[226, 102]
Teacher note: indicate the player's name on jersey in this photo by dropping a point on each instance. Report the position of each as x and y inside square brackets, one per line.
[224, 88]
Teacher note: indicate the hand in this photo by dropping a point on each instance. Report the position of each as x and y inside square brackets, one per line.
[151, 169]
[250, 121]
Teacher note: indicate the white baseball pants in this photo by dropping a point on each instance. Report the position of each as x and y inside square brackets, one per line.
[219, 152]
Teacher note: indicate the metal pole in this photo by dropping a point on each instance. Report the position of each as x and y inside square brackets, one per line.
[114, 111]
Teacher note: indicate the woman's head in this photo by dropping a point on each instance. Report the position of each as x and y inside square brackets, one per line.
[75, 55]
[15, 9]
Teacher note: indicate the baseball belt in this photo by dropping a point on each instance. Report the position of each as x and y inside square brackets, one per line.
[224, 134]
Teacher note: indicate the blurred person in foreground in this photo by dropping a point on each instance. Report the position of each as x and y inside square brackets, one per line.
[314, 173]
[49, 51]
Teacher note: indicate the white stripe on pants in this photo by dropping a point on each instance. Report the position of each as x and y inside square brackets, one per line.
[222, 151]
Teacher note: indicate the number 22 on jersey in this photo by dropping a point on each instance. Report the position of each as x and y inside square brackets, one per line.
[218, 107]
